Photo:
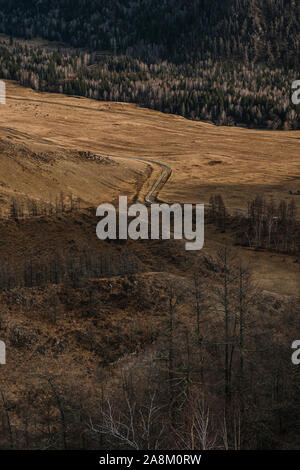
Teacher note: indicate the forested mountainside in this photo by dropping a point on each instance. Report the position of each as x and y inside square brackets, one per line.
[230, 62]
[255, 30]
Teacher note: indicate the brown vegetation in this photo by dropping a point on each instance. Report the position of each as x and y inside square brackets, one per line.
[141, 345]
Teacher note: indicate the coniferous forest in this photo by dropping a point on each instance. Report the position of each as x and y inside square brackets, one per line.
[230, 62]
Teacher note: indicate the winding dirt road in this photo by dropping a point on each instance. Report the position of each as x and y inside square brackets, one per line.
[158, 184]
[161, 180]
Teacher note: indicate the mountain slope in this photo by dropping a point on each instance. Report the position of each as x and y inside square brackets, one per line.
[245, 29]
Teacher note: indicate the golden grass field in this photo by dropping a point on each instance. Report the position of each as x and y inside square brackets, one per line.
[235, 162]
[251, 161]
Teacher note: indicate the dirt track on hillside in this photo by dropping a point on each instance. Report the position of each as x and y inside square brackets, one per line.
[205, 160]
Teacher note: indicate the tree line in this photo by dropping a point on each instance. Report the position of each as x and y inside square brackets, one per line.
[247, 30]
[267, 224]
[223, 92]
[67, 268]
[19, 209]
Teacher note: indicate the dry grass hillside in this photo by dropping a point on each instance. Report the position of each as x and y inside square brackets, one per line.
[204, 158]
[86, 315]
[49, 142]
